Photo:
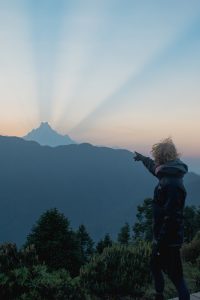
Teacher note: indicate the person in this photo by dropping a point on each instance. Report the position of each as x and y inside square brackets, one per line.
[168, 204]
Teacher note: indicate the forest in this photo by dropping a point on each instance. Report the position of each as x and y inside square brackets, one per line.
[58, 262]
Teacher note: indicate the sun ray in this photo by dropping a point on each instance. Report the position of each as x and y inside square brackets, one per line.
[146, 75]
[45, 26]
[76, 47]
[94, 68]
[17, 84]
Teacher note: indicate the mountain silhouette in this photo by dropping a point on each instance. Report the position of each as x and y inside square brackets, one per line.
[45, 135]
[97, 186]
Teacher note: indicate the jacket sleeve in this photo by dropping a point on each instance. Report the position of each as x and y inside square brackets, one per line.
[149, 164]
[170, 210]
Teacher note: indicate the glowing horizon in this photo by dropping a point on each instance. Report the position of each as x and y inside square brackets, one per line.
[108, 72]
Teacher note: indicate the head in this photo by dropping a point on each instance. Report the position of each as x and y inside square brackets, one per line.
[164, 151]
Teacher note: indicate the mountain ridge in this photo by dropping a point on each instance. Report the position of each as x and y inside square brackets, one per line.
[97, 186]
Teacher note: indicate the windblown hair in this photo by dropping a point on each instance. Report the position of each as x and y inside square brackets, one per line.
[164, 151]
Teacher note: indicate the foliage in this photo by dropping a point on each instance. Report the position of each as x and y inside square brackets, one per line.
[124, 235]
[86, 244]
[11, 258]
[55, 242]
[191, 222]
[38, 283]
[191, 251]
[21, 277]
[118, 271]
[54, 253]
[142, 229]
[192, 278]
[104, 243]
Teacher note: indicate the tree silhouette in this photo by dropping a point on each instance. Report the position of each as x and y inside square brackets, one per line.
[86, 244]
[142, 229]
[104, 243]
[124, 235]
[55, 242]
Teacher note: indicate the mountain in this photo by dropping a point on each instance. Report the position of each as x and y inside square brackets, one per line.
[97, 186]
[45, 135]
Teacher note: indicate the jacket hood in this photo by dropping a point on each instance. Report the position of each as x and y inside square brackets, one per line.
[173, 167]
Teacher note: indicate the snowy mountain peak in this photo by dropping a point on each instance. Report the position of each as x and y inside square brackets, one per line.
[45, 135]
[45, 125]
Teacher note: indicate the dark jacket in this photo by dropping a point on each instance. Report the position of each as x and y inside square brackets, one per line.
[168, 201]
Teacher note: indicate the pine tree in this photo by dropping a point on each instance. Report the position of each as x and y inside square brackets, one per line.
[55, 242]
[142, 229]
[104, 243]
[124, 235]
[86, 244]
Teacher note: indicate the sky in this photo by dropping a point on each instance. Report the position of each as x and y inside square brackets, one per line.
[121, 73]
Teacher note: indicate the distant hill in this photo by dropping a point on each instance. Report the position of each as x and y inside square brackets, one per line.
[45, 135]
[98, 186]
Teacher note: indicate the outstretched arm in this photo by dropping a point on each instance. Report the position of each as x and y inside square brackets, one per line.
[147, 162]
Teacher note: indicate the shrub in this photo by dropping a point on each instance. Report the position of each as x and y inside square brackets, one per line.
[38, 283]
[118, 271]
[12, 258]
[9, 257]
[191, 251]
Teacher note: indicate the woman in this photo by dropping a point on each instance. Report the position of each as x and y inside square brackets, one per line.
[168, 205]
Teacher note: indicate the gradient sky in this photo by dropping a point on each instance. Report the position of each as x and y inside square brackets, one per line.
[111, 72]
